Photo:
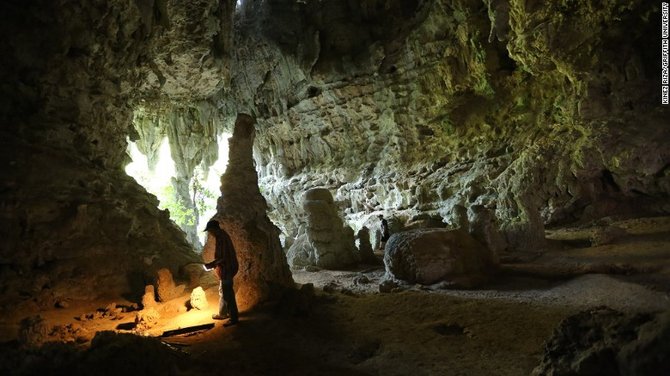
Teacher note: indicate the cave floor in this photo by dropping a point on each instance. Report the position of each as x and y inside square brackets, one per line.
[351, 328]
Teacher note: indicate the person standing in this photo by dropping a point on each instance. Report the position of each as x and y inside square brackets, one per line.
[386, 234]
[225, 266]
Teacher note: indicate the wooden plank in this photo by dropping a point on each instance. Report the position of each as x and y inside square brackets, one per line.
[187, 330]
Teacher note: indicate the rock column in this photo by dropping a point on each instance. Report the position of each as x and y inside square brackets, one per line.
[241, 211]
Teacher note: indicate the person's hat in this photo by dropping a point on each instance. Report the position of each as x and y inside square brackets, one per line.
[212, 225]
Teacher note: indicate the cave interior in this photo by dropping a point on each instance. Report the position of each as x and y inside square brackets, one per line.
[516, 150]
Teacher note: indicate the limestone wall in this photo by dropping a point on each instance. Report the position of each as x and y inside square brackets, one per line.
[542, 112]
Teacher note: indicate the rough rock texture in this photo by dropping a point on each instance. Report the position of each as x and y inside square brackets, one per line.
[458, 217]
[327, 243]
[241, 211]
[606, 235]
[649, 353]
[146, 319]
[149, 297]
[71, 71]
[33, 331]
[193, 273]
[428, 256]
[300, 253]
[166, 289]
[603, 341]
[199, 299]
[365, 252]
[192, 133]
[484, 227]
[542, 112]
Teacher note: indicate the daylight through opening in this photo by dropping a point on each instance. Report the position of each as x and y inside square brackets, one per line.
[158, 175]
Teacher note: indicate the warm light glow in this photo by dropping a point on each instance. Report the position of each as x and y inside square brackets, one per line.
[191, 318]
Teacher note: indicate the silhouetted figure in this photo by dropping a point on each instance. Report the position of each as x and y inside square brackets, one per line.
[386, 234]
[225, 265]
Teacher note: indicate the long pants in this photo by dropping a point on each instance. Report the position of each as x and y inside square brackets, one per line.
[227, 303]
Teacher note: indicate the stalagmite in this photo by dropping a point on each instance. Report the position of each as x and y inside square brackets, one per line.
[241, 211]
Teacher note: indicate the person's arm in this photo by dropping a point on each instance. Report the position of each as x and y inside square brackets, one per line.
[213, 264]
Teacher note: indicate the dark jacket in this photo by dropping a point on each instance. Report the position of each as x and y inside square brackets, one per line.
[225, 257]
[386, 234]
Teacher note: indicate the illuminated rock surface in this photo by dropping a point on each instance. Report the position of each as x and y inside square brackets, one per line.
[241, 211]
[522, 117]
[166, 288]
[327, 243]
[198, 299]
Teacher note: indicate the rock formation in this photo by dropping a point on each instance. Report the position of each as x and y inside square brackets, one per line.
[514, 106]
[365, 252]
[149, 297]
[33, 331]
[241, 211]
[146, 319]
[166, 289]
[327, 243]
[604, 341]
[483, 226]
[191, 132]
[199, 299]
[428, 256]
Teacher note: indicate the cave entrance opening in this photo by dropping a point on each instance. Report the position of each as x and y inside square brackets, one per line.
[157, 174]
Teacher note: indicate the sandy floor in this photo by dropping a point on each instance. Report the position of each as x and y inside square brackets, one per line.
[351, 328]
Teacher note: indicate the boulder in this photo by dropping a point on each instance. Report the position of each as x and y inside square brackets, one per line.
[606, 235]
[602, 341]
[301, 253]
[199, 299]
[428, 256]
[648, 354]
[146, 319]
[70, 333]
[388, 285]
